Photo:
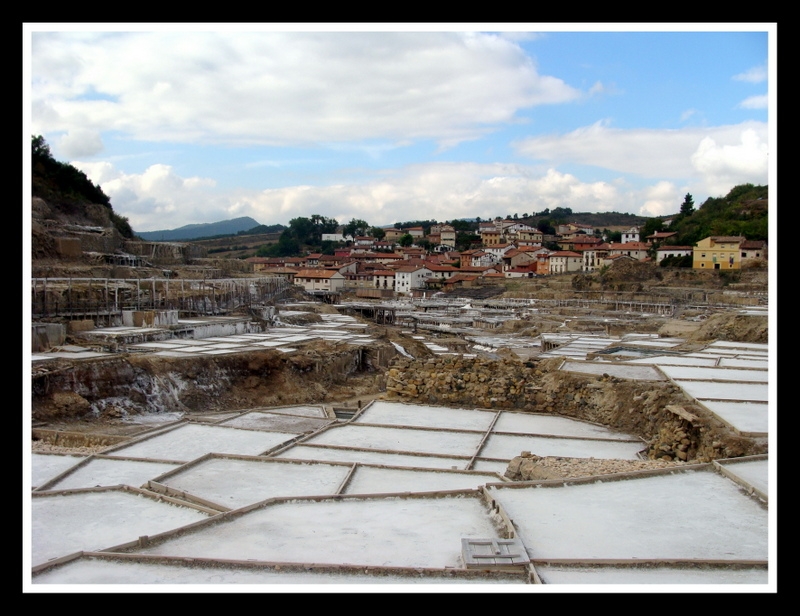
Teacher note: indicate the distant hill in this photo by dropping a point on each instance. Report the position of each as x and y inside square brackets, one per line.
[193, 232]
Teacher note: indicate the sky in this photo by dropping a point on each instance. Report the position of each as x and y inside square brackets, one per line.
[196, 123]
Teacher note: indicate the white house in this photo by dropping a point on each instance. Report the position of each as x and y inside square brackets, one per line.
[631, 235]
[411, 277]
[673, 251]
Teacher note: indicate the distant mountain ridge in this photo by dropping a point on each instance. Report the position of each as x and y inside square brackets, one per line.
[196, 231]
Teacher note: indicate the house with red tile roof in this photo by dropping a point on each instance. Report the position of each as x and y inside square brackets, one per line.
[320, 280]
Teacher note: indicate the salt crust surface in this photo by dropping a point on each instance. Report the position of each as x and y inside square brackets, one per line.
[744, 416]
[505, 447]
[754, 472]
[395, 413]
[709, 390]
[554, 426]
[398, 439]
[370, 480]
[255, 480]
[46, 466]
[101, 572]
[301, 452]
[192, 441]
[384, 532]
[641, 518]
[716, 374]
[103, 472]
[92, 521]
[650, 575]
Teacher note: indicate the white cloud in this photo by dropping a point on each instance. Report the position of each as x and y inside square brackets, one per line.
[652, 153]
[724, 165]
[279, 88]
[160, 199]
[755, 102]
[80, 142]
[757, 74]
[660, 200]
[598, 88]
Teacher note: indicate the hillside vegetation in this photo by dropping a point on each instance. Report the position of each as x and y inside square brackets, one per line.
[66, 189]
[743, 211]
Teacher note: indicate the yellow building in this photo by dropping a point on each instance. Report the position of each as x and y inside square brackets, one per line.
[718, 252]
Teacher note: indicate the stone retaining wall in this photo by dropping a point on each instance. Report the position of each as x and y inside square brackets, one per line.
[641, 408]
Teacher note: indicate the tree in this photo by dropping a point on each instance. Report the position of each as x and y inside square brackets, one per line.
[355, 227]
[466, 239]
[545, 227]
[39, 148]
[687, 207]
[377, 232]
[653, 225]
[324, 225]
[406, 240]
[302, 229]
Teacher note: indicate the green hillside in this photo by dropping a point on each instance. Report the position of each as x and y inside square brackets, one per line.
[743, 211]
[67, 189]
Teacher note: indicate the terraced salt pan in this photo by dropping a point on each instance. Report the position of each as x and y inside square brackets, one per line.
[553, 574]
[92, 521]
[398, 439]
[374, 480]
[505, 447]
[748, 346]
[395, 413]
[658, 344]
[675, 360]
[296, 338]
[525, 423]
[741, 362]
[709, 390]
[387, 532]
[191, 349]
[717, 374]
[70, 355]
[304, 410]
[754, 472]
[104, 472]
[89, 570]
[170, 353]
[722, 352]
[663, 516]
[623, 371]
[746, 417]
[329, 454]
[278, 422]
[223, 351]
[167, 344]
[46, 466]
[191, 441]
[490, 466]
[255, 480]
